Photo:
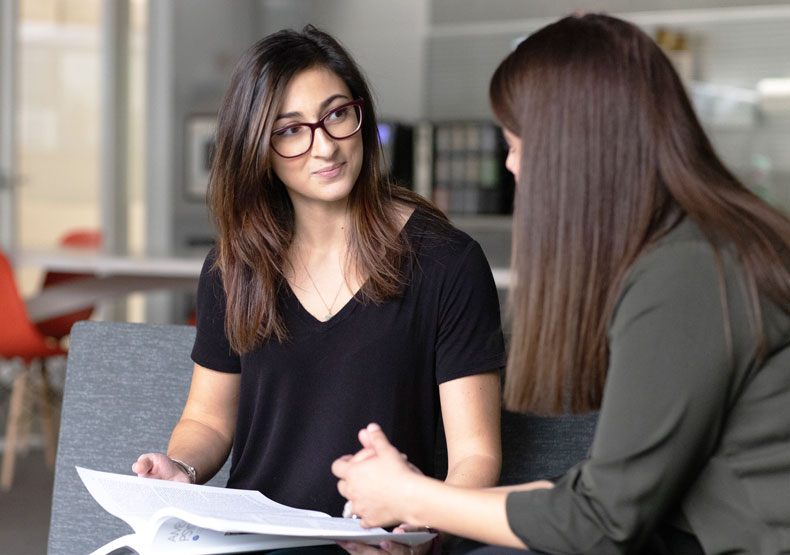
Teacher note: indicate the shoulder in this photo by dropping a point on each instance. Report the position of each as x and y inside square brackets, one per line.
[210, 267]
[210, 276]
[684, 253]
[437, 240]
[444, 259]
[683, 264]
[684, 282]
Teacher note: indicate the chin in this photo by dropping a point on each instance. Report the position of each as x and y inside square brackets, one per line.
[337, 194]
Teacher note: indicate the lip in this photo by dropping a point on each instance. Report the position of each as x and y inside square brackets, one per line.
[330, 171]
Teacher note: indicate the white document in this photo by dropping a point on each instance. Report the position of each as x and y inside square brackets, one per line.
[171, 517]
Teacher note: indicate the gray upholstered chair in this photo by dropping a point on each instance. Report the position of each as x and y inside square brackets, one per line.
[535, 447]
[540, 447]
[125, 387]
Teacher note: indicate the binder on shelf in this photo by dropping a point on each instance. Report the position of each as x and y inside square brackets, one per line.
[469, 176]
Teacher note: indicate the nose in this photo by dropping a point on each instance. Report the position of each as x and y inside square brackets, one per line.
[323, 145]
[512, 163]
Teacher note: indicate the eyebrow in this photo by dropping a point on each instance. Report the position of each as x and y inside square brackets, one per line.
[323, 106]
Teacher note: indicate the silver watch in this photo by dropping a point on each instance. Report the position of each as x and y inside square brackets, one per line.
[186, 469]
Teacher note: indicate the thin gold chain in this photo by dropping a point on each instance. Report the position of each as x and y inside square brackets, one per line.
[327, 306]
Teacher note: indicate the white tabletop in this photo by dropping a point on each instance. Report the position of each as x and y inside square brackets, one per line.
[501, 277]
[110, 276]
[91, 262]
[116, 275]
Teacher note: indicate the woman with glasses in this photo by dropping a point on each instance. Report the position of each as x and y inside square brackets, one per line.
[650, 283]
[332, 298]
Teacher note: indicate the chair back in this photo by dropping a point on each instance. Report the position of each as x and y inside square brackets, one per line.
[541, 447]
[18, 336]
[126, 385]
[534, 447]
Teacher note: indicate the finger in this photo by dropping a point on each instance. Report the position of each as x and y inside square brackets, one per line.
[395, 548]
[364, 438]
[363, 454]
[143, 465]
[358, 548]
[340, 467]
[378, 440]
[401, 528]
[373, 523]
[346, 546]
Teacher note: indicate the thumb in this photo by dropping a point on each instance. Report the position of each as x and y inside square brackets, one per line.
[377, 440]
[142, 465]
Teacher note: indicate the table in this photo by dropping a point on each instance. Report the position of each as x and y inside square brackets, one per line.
[112, 275]
[117, 275]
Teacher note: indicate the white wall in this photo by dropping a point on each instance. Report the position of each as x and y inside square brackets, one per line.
[192, 48]
[8, 18]
[476, 11]
[423, 58]
[385, 37]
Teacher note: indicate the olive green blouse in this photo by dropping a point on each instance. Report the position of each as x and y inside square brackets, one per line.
[692, 449]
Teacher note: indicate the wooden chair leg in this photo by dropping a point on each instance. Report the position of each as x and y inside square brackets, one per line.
[47, 418]
[12, 428]
[26, 414]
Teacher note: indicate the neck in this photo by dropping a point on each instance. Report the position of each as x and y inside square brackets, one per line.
[321, 227]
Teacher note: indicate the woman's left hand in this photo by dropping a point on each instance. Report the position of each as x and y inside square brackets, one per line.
[390, 546]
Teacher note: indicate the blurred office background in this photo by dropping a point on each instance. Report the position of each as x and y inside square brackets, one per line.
[107, 107]
[110, 108]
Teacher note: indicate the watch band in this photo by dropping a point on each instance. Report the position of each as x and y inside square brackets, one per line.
[186, 469]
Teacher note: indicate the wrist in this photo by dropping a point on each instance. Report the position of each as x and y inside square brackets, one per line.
[412, 500]
[186, 469]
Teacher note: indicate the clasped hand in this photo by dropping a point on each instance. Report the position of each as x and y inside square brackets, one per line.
[376, 481]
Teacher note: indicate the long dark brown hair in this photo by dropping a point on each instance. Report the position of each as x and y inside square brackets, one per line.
[612, 158]
[251, 208]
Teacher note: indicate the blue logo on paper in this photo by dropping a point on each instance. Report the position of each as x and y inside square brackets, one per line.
[195, 538]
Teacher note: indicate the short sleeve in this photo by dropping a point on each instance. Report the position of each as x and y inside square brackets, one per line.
[212, 349]
[664, 405]
[469, 337]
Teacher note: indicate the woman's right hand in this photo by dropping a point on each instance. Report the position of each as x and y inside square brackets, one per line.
[159, 467]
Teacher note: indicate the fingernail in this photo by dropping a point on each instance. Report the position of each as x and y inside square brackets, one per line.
[373, 427]
[385, 545]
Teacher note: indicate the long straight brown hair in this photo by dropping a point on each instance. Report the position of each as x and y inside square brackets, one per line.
[250, 206]
[612, 158]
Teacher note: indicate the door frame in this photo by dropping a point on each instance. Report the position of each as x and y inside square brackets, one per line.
[8, 125]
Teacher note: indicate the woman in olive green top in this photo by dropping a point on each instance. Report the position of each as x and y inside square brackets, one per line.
[649, 283]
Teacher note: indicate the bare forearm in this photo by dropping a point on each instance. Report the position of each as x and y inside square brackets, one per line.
[199, 446]
[476, 471]
[539, 484]
[479, 514]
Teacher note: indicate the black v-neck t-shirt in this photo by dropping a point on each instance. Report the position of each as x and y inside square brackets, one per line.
[302, 401]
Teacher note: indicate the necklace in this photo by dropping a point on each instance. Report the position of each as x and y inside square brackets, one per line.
[327, 306]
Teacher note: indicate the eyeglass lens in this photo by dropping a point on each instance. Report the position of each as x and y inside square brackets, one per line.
[340, 123]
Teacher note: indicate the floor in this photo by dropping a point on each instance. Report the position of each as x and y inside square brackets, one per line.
[24, 509]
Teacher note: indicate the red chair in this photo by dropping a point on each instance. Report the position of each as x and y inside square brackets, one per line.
[60, 326]
[20, 340]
